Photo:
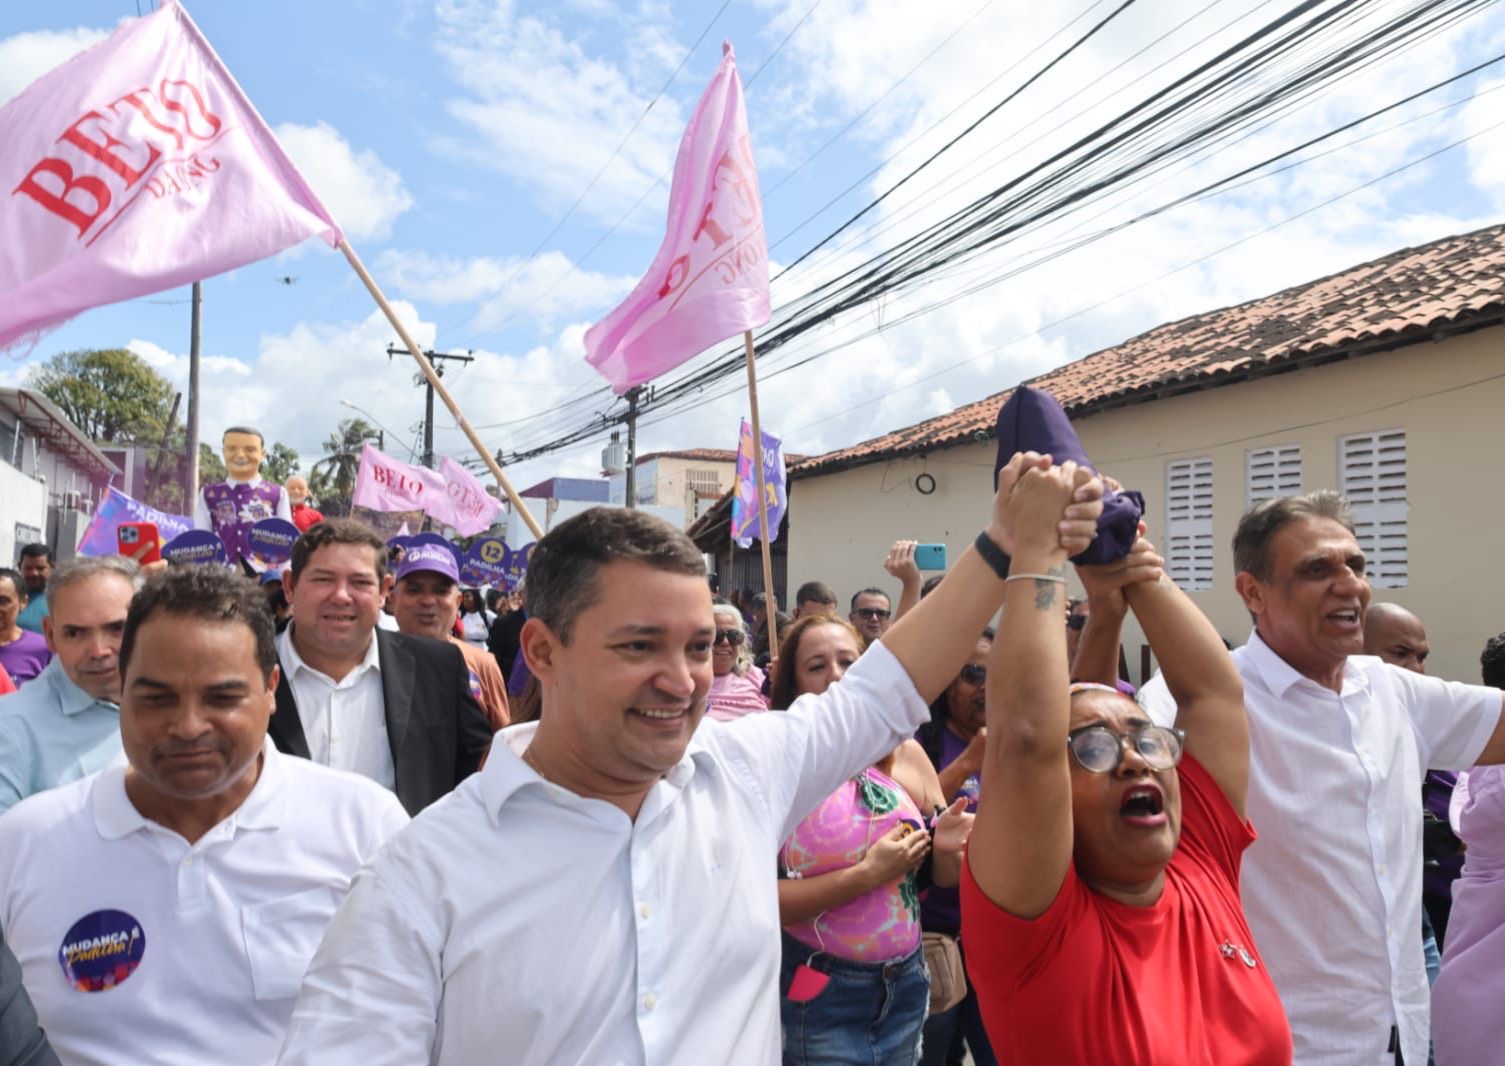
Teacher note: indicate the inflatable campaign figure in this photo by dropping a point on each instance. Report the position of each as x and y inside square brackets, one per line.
[231, 507]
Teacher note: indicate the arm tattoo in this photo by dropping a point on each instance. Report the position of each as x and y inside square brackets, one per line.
[1045, 590]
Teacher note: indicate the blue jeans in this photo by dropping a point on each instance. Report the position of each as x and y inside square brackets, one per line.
[869, 1014]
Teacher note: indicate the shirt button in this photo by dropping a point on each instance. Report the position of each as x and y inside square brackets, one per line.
[644, 909]
[188, 861]
[649, 1001]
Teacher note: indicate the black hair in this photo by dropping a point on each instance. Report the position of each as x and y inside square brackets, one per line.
[210, 593]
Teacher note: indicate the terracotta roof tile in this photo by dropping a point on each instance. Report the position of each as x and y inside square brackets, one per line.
[1399, 299]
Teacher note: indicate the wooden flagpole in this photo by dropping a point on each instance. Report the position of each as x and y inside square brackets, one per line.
[757, 436]
[449, 401]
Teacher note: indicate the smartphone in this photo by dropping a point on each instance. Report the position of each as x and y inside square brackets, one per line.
[930, 556]
[139, 541]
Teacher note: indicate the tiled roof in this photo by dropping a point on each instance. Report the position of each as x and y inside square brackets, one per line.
[702, 455]
[1403, 298]
[708, 455]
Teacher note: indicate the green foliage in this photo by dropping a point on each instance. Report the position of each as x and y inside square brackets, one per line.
[280, 463]
[332, 478]
[211, 466]
[111, 394]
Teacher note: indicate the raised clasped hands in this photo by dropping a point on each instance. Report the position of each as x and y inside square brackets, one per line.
[1105, 584]
[1041, 506]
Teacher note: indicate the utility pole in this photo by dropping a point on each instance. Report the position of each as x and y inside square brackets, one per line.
[632, 447]
[191, 471]
[438, 359]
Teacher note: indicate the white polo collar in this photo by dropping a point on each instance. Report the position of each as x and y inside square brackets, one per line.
[115, 816]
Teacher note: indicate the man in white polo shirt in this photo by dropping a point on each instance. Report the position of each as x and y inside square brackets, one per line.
[164, 912]
[1339, 742]
[602, 891]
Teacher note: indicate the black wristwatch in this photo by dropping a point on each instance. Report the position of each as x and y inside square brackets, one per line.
[992, 554]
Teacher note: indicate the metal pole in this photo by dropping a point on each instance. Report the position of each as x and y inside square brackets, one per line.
[632, 447]
[191, 469]
[428, 423]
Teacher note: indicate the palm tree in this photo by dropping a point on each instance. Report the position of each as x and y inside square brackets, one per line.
[342, 457]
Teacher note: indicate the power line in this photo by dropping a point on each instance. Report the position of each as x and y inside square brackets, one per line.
[1338, 63]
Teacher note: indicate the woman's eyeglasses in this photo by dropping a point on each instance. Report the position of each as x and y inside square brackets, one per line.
[1099, 750]
[729, 636]
[974, 674]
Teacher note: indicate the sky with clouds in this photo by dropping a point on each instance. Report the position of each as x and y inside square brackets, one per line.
[502, 167]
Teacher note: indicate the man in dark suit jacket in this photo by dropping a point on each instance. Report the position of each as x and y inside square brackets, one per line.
[398, 709]
[22, 1042]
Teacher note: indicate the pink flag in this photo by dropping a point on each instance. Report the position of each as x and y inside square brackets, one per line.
[472, 509]
[710, 278]
[385, 484]
[136, 166]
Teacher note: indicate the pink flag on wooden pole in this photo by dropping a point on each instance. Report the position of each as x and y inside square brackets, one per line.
[473, 509]
[709, 280]
[387, 484]
[136, 166]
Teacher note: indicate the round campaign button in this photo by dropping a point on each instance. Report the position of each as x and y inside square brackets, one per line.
[101, 950]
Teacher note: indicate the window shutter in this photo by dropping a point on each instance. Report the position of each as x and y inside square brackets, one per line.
[1372, 472]
[1188, 525]
[1270, 473]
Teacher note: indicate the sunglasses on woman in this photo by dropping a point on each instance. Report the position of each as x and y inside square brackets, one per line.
[974, 674]
[729, 636]
[1099, 750]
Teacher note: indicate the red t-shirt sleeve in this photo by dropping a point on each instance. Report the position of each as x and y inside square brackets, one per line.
[1212, 834]
[1004, 952]
[6, 684]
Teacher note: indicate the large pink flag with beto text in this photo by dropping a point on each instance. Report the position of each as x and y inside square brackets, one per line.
[387, 484]
[472, 508]
[450, 495]
[136, 166]
[709, 280]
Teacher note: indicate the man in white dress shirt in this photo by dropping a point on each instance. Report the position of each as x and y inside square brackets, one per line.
[1339, 742]
[164, 912]
[602, 891]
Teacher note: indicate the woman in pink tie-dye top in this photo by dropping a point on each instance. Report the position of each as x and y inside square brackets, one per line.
[854, 986]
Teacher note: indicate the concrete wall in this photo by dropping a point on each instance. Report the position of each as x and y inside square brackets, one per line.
[1449, 397]
[25, 505]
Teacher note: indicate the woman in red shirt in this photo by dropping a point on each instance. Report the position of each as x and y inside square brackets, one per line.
[1100, 900]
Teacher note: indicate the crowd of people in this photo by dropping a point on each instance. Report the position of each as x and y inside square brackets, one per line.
[362, 814]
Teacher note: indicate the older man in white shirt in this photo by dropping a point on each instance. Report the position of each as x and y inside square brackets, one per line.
[164, 912]
[602, 892]
[1339, 742]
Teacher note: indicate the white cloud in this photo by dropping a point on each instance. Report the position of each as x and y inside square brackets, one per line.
[548, 112]
[1486, 153]
[25, 57]
[364, 194]
[543, 289]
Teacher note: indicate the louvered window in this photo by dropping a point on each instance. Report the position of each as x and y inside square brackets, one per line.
[1373, 479]
[1188, 525]
[1272, 472]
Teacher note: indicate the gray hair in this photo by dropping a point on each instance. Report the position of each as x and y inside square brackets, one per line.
[1257, 529]
[84, 567]
[726, 612]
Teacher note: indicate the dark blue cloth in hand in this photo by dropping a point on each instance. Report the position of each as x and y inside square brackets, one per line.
[1033, 421]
